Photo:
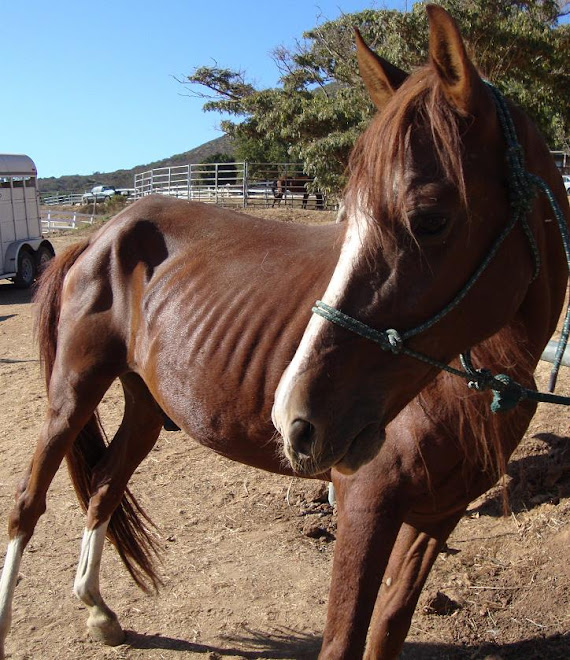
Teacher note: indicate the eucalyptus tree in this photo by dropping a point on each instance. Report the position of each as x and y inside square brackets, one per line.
[320, 105]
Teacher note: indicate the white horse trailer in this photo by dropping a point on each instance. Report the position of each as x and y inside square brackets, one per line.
[23, 250]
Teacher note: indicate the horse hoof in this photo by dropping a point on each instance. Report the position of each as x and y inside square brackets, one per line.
[107, 631]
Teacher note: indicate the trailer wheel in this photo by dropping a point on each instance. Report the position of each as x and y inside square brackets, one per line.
[26, 273]
[43, 256]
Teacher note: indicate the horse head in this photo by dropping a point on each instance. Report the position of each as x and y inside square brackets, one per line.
[425, 202]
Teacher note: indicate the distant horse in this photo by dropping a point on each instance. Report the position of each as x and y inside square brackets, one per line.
[204, 315]
[296, 185]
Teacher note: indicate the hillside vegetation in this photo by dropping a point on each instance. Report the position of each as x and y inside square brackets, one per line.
[124, 178]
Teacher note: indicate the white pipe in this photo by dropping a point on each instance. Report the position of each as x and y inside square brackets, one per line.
[550, 351]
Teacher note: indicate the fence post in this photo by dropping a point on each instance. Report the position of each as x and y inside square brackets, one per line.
[245, 183]
[216, 181]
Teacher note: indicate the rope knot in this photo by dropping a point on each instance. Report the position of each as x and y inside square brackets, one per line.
[395, 341]
[506, 393]
[482, 379]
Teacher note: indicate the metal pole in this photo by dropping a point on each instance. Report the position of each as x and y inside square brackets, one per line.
[245, 184]
[550, 352]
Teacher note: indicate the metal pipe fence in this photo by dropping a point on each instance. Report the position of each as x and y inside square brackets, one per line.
[234, 184]
[63, 199]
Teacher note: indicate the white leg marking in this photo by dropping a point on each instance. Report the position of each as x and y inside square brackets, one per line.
[102, 623]
[86, 585]
[8, 585]
[332, 494]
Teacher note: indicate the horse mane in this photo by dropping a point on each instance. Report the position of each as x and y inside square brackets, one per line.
[377, 163]
[481, 433]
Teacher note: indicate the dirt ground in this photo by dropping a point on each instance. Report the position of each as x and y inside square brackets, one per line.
[243, 575]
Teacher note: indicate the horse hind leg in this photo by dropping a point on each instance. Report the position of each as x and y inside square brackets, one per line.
[72, 403]
[136, 436]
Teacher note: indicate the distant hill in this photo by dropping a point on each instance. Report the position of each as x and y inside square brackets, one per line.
[124, 178]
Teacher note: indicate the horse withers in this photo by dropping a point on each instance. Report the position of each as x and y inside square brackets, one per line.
[296, 185]
[205, 316]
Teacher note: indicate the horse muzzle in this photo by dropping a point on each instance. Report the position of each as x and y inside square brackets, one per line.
[312, 451]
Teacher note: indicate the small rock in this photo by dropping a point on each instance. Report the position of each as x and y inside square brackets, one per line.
[319, 493]
[314, 530]
[440, 604]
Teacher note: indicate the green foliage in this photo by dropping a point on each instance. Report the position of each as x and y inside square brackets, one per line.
[114, 204]
[321, 106]
[522, 49]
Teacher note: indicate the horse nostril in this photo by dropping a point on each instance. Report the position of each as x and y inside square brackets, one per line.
[301, 436]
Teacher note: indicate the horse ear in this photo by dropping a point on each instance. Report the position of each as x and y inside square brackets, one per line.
[449, 57]
[381, 78]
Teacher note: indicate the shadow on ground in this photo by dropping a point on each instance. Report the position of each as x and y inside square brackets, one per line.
[287, 644]
[11, 295]
[534, 479]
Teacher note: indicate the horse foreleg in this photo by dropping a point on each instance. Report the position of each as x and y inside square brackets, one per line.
[368, 524]
[136, 436]
[411, 560]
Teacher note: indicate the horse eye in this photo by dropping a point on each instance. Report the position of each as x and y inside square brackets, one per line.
[429, 226]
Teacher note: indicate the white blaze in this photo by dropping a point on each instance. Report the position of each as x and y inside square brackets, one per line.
[350, 254]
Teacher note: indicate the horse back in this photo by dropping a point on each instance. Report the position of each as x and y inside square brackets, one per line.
[208, 306]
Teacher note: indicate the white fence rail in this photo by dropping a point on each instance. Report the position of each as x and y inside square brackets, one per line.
[233, 184]
[63, 199]
[57, 220]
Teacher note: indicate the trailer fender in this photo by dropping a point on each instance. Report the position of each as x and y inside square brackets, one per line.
[13, 252]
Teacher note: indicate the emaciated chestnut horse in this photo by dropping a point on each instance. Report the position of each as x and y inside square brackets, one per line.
[205, 316]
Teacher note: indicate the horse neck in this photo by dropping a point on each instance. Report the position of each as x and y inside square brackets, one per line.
[542, 306]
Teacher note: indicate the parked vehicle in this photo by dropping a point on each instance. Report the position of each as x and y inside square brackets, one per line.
[23, 249]
[99, 194]
[566, 179]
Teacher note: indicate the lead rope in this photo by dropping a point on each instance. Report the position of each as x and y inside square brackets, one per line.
[522, 190]
[519, 181]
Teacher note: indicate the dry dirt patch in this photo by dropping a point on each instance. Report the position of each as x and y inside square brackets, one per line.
[245, 567]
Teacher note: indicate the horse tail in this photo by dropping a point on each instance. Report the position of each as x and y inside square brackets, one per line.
[127, 529]
[48, 301]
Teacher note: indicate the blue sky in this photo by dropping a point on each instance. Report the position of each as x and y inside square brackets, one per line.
[90, 87]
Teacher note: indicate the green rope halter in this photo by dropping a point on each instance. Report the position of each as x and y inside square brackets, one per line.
[523, 187]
